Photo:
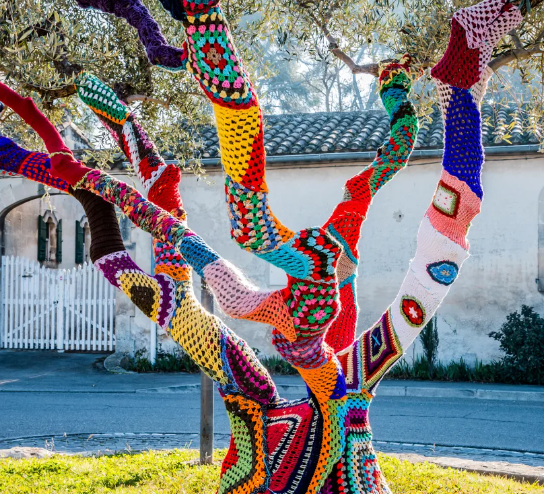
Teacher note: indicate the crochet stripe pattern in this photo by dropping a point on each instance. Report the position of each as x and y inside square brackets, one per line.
[321, 444]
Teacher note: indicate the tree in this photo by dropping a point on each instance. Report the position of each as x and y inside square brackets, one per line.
[282, 84]
[326, 445]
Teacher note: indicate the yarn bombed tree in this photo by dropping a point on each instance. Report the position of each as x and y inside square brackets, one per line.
[321, 444]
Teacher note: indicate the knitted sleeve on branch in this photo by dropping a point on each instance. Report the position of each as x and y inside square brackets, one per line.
[160, 181]
[221, 354]
[346, 221]
[158, 50]
[442, 246]
[153, 295]
[215, 62]
[218, 351]
[67, 167]
[475, 31]
[314, 306]
[15, 160]
[227, 359]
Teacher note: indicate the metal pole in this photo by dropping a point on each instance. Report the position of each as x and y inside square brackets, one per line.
[152, 325]
[206, 396]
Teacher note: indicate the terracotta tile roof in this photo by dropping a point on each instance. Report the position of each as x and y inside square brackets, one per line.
[343, 132]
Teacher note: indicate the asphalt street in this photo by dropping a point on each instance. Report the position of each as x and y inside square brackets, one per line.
[73, 398]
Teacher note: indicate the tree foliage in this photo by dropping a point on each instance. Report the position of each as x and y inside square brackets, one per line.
[305, 55]
[45, 44]
[337, 32]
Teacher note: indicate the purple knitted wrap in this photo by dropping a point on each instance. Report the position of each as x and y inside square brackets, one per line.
[158, 50]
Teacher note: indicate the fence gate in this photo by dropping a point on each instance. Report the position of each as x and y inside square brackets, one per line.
[60, 309]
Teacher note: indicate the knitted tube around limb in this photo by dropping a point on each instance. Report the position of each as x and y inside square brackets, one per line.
[346, 221]
[235, 294]
[475, 31]
[442, 246]
[32, 165]
[158, 50]
[160, 181]
[69, 169]
[309, 350]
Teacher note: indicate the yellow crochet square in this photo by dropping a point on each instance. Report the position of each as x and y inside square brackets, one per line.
[237, 130]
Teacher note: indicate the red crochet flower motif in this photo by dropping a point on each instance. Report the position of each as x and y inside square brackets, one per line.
[214, 55]
[413, 311]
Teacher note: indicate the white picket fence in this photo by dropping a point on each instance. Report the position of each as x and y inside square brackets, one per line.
[61, 309]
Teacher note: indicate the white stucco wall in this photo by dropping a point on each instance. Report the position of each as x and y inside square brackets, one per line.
[497, 279]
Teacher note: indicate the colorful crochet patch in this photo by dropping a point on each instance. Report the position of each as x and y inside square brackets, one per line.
[446, 200]
[213, 60]
[443, 272]
[412, 310]
[380, 348]
[102, 100]
[253, 225]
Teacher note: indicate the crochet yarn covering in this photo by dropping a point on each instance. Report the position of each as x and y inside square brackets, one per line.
[321, 444]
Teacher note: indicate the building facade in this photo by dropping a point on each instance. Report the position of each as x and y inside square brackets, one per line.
[310, 158]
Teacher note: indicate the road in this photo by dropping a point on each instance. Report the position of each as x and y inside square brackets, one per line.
[79, 400]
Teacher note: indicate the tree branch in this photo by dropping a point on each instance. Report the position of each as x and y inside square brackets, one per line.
[519, 53]
[49, 95]
[369, 68]
[515, 38]
[144, 98]
[510, 56]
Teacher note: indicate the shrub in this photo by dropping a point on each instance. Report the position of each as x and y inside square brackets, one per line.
[521, 338]
[429, 341]
[453, 371]
[177, 361]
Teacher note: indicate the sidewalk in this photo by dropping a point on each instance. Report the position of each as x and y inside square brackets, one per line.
[51, 372]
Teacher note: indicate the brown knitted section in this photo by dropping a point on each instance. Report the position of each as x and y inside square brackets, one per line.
[105, 234]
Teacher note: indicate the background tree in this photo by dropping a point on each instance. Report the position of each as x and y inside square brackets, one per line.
[381, 29]
[320, 55]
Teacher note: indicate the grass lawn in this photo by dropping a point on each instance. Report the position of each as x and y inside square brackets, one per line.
[169, 473]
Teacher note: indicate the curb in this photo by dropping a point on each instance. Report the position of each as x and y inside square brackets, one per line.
[514, 471]
[188, 388]
[180, 388]
[478, 394]
[395, 391]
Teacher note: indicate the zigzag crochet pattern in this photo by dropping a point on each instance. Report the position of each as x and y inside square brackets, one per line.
[321, 444]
